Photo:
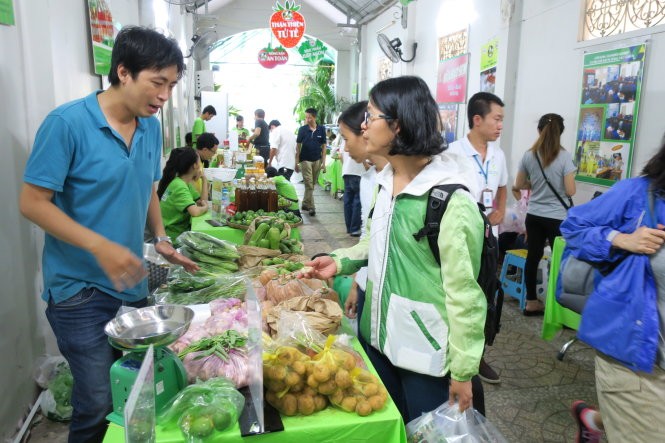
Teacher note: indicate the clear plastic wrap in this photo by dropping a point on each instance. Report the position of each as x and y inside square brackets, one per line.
[447, 424]
[203, 408]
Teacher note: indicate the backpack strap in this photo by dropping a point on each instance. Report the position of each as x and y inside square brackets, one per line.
[437, 202]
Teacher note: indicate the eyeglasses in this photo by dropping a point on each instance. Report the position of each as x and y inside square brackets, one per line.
[370, 118]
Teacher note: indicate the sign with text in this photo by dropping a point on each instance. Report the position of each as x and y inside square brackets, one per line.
[312, 51]
[269, 57]
[7, 12]
[452, 79]
[287, 24]
[102, 33]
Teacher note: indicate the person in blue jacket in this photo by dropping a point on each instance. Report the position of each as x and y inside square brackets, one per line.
[622, 234]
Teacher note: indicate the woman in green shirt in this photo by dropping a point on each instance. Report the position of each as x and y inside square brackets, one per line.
[285, 189]
[176, 200]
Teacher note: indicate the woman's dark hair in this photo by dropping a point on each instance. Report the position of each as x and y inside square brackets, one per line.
[271, 171]
[548, 144]
[480, 104]
[354, 116]
[179, 162]
[139, 49]
[655, 170]
[206, 140]
[410, 105]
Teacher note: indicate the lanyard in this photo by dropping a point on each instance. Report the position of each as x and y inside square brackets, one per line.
[486, 171]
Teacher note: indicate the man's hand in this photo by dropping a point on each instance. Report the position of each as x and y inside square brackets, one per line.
[323, 167]
[460, 391]
[167, 251]
[297, 167]
[121, 266]
[643, 241]
[495, 217]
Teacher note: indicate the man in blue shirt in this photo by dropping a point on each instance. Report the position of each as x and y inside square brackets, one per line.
[89, 183]
[310, 157]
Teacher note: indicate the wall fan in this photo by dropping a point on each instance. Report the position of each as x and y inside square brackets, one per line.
[392, 48]
[203, 43]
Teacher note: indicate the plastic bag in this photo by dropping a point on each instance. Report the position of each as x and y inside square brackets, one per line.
[54, 375]
[515, 216]
[319, 313]
[183, 288]
[203, 408]
[447, 424]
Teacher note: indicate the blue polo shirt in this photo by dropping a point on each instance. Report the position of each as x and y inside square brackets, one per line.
[311, 141]
[100, 184]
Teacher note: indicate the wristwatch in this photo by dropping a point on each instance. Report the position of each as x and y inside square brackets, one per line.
[165, 238]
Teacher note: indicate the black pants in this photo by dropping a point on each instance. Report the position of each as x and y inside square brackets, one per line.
[538, 229]
[264, 151]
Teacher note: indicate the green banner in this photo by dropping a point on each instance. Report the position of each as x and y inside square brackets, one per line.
[489, 54]
[312, 51]
[7, 12]
[102, 33]
[611, 88]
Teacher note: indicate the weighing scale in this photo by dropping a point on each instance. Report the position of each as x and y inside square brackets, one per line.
[133, 332]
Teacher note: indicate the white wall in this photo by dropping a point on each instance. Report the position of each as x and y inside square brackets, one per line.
[539, 66]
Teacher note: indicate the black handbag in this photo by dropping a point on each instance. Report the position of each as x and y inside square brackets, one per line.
[563, 203]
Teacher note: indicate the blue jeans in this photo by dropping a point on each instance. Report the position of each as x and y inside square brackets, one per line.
[352, 214]
[415, 394]
[78, 324]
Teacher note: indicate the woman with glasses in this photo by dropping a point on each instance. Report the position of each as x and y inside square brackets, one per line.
[423, 321]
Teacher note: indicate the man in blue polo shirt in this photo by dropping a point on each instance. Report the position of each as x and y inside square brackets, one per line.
[89, 183]
[310, 157]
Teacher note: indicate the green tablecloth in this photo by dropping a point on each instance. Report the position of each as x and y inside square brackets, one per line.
[329, 425]
[233, 235]
[333, 175]
[556, 316]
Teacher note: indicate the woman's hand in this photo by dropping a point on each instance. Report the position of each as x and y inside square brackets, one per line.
[643, 241]
[167, 251]
[460, 391]
[351, 303]
[323, 268]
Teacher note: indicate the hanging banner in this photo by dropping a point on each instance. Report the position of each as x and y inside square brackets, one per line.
[269, 57]
[611, 86]
[102, 33]
[312, 51]
[287, 24]
[489, 57]
[7, 12]
[451, 80]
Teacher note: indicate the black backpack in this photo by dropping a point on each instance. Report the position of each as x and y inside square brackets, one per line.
[439, 196]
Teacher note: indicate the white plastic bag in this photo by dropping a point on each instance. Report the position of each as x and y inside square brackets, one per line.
[55, 376]
[447, 424]
[515, 215]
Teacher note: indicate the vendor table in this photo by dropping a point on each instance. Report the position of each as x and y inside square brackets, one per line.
[233, 235]
[333, 175]
[556, 316]
[329, 425]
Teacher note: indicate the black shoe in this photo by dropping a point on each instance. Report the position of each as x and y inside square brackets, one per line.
[536, 313]
[355, 234]
[312, 212]
[305, 208]
[487, 374]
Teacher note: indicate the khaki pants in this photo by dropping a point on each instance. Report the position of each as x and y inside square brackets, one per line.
[310, 176]
[632, 404]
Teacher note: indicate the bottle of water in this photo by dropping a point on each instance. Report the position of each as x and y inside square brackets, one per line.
[224, 203]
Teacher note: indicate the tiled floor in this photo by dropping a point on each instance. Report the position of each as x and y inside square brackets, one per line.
[532, 402]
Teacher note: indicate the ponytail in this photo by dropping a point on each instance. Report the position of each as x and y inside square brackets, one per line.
[179, 162]
[548, 145]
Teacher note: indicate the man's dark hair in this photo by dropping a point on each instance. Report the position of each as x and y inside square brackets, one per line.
[240, 118]
[274, 123]
[260, 113]
[188, 139]
[480, 104]
[210, 109]
[354, 116]
[271, 171]
[408, 103]
[139, 49]
[311, 111]
[206, 140]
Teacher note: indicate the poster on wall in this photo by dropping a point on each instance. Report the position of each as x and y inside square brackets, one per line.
[489, 56]
[102, 34]
[451, 80]
[385, 67]
[7, 12]
[448, 113]
[611, 86]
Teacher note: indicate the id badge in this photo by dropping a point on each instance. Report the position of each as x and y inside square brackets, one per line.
[487, 198]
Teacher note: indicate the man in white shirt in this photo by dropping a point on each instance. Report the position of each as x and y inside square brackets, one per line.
[282, 149]
[485, 113]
